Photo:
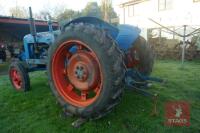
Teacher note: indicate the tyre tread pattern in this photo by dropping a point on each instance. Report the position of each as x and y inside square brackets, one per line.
[24, 74]
[116, 62]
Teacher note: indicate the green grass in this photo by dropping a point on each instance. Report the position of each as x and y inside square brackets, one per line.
[37, 111]
[4, 68]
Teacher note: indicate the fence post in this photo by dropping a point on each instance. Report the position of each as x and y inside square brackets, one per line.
[183, 48]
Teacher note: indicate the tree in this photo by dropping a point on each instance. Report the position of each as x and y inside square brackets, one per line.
[43, 15]
[19, 12]
[92, 9]
[68, 15]
[104, 11]
[107, 10]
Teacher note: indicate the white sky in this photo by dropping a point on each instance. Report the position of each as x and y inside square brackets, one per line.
[38, 5]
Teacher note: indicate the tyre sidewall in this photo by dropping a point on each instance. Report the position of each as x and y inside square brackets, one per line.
[23, 74]
[104, 96]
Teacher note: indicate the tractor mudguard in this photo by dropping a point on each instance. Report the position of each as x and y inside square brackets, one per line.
[127, 36]
[112, 30]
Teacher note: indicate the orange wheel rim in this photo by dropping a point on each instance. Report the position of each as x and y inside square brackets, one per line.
[16, 79]
[77, 74]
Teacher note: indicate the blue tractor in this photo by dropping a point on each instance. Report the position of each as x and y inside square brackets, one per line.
[88, 62]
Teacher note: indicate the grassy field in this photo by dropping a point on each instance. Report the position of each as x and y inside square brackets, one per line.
[4, 68]
[37, 111]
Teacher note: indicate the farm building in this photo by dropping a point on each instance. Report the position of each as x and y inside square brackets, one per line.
[166, 12]
[14, 29]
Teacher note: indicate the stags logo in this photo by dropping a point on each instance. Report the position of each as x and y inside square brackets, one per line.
[177, 114]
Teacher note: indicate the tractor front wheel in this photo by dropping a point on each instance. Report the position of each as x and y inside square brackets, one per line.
[86, 70]
[19, 77]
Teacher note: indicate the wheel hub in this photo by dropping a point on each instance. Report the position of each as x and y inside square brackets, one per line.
[82, 71]
[77, 74]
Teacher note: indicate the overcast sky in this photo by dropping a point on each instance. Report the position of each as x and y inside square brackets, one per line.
[38, 5]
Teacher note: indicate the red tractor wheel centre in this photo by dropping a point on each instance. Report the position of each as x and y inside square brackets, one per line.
[16, 79]
[77, 75]
[83, 71]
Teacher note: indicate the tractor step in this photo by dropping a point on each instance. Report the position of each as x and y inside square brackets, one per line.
[79, 122]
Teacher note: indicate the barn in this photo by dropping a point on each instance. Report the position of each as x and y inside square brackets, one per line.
[13, 29]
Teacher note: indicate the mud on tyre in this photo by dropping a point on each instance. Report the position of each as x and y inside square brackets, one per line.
[85, 60]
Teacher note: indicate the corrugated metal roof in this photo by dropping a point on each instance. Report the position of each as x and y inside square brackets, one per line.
[17, 28]
[23, 21]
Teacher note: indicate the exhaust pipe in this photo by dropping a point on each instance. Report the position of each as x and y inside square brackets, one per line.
[33, 30]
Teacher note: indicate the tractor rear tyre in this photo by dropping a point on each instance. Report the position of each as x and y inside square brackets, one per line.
[86, 70]
[144, 54]
[19, 77]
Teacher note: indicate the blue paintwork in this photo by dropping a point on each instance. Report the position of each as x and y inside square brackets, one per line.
[125, 35]
[36, 61]
[112, 30]
[42, 37]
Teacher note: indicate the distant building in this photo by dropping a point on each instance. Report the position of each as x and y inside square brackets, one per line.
[166, 12]
[14, 29]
